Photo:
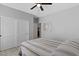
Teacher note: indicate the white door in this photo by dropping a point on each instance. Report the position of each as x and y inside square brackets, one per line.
[35, 26]
[8, 32]
[0, 33]
[23, 31]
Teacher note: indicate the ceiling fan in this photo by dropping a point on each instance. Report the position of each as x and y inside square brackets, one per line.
[40, 5]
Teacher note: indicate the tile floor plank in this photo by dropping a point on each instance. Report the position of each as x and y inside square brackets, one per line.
[10, 52]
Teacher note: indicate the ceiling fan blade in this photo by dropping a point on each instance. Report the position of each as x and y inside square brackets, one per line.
[33, 7]
[41, 8]
[46, 3]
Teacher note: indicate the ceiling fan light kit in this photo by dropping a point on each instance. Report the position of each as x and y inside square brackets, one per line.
[40, 5]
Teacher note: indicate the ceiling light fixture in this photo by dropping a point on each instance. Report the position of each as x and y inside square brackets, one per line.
[38, 5]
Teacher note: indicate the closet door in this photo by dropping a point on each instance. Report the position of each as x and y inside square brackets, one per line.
[8, 32]
[23, 31]
[0, 33]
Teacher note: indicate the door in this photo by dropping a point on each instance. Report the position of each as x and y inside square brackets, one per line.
[39, 30]
[8, 32]
[35, 30]
[23, 31]
[0, 33]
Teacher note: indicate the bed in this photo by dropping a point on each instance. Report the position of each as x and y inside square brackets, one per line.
[39, 47]
[45, 47]
[68, 48]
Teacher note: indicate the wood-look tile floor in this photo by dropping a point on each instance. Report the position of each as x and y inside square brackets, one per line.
[10, 52]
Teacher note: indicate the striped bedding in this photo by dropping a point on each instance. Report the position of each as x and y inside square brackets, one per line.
[44, 47]
[69, 48]
[39, 47]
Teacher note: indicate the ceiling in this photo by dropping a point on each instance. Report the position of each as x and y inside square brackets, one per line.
[56, 7]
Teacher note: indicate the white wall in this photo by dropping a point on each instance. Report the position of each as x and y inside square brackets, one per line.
[19, 15]
[10, 12]
[62, 25]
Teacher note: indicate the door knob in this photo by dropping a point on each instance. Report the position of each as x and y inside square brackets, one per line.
[0, 35]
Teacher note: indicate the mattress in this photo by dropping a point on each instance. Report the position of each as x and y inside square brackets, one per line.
[39, 47]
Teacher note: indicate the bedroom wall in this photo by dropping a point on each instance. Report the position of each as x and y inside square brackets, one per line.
[61, 25]
[10, 12]
[19, 15]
